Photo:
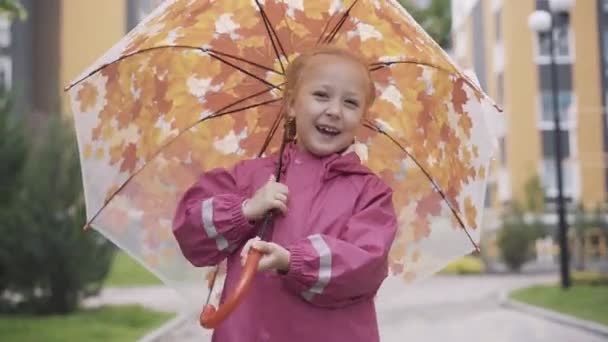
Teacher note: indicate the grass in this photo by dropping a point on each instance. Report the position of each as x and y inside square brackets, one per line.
[582, 301]
[465, 265]
[111, 323]
[126, 271]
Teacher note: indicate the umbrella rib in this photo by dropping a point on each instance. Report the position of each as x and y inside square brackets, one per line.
[186, 47]
[213, 55]
[339, 25]
[221, 110]
[324, 30]
[272, 34]
[435, 185]
[276, 36]
[335, 30]
[380, 65]
[273, 130]
[216, 115]
[246, 61]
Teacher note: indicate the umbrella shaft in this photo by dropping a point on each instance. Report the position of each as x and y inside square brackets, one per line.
[267, 221]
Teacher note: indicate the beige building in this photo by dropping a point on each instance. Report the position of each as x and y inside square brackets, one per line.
[512, 64]
[60, 38]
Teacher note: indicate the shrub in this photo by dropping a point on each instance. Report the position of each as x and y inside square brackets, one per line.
[465, 265]
[589, 279]
[516, 238]
[47, 262]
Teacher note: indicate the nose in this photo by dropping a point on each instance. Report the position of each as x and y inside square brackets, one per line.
[334, 109]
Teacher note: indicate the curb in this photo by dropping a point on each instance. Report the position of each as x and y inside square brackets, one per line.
[560, 318]
[163, 330]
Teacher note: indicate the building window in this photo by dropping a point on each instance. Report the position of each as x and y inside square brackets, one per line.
[564, 104]
[5, 32]
[6, 63]
[562, 42]
[549, 174]
[137, 10]
[498, 25]
[502, 151]
[479, 48]
[461, 43]
[603, 30]
[549, 178]
[500, 88]
[605, 48]
[548, 141]
[489, 197]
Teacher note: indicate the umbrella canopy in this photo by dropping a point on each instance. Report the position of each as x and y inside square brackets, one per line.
[198, 85]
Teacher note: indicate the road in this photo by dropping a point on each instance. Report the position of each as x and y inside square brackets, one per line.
[450, 309]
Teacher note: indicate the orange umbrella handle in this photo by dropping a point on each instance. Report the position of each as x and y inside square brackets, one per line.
[210, 316]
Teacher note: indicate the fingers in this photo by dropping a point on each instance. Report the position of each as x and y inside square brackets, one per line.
[279, 201]
[266, 263]
[246, 248]
[273, 256]
[262, 246]
[281, 197]
[269, 259]
[280, 205]
[281, 188]
[276, 186]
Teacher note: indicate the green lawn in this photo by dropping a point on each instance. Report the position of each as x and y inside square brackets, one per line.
[116, 323]
[126, 271]
[582, 301]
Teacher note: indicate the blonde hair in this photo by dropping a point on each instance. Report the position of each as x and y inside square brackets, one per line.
[297, 66]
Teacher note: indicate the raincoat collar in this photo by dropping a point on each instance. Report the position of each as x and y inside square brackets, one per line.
[334, 164]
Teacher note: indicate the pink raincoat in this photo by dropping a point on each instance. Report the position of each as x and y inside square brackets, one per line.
[338, 228]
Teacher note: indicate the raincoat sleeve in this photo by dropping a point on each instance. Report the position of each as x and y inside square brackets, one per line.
[209, 223]
[332, 271]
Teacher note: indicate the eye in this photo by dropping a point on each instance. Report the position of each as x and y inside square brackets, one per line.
[320, 94]
[352, 103]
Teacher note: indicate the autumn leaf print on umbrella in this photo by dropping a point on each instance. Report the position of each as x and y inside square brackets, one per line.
[198, 85]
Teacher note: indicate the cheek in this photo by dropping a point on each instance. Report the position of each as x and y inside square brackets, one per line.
[352, 121]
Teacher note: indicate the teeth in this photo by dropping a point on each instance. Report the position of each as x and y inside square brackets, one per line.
[326, 129]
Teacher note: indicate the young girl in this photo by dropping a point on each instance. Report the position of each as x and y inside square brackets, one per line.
[328, 248]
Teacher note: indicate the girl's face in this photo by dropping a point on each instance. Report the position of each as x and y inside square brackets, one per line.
[329, 103]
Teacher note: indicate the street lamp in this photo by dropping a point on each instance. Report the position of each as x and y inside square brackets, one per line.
[546, 22]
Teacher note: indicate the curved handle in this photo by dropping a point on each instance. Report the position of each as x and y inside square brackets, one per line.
[210, 318]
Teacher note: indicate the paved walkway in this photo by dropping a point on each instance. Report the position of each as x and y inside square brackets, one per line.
[158, 298]
[441, 309]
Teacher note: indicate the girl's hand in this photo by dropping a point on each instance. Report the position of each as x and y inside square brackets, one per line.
[271, 195]
[274, 257]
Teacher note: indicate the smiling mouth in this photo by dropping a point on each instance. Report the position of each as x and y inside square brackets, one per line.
[327, 130]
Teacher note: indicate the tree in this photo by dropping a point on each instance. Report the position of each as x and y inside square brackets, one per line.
[13, 9]
[13, 150]
[435, 19]
[518, 234]
[516, 237]
[535, 195]
[48, 263]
